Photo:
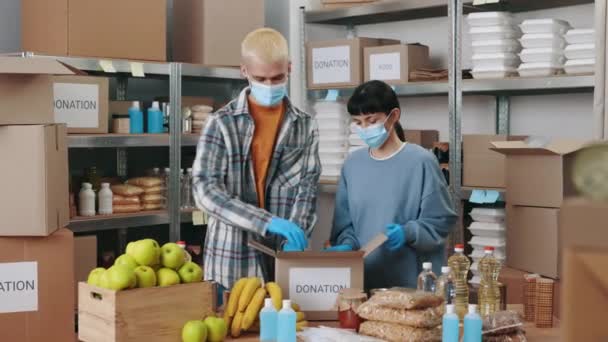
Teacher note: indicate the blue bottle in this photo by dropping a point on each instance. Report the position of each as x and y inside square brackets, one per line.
[155, 119]
[268, 322]
[136, 119]
[451, 330]
[286, 323]
[472, 325]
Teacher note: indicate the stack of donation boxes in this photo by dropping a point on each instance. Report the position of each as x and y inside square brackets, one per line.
[333, 136]
[488, 229]
[36, 250]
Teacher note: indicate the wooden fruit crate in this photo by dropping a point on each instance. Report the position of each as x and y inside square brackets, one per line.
[150, 314]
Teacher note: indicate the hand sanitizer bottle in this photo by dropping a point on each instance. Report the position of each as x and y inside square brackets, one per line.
[472, 325]
[286, 322]
[450, 325]
[268, 322]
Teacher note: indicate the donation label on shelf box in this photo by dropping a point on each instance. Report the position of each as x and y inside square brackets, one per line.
[18, 287]
[385, 66]
[316, 289]
[77, 105]
[331, 64]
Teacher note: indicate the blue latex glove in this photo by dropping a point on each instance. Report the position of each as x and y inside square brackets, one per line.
[288, 247]
[396, 236]
[290, 231]
[339, 248]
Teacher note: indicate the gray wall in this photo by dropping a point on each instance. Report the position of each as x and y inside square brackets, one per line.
[10, 26]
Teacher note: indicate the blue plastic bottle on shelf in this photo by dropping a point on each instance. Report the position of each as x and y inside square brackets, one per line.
[155, 119]
[286, 323]
[450, 325]
[136, 119]
[268, 322]
[472, 325]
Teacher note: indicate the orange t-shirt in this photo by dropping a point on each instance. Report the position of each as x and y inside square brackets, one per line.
[267, 123]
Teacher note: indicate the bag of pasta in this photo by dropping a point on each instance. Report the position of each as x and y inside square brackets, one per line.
[399, 333]
[422, 318]
[407, 299]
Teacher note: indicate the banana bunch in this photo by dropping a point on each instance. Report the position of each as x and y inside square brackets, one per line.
[247, 299]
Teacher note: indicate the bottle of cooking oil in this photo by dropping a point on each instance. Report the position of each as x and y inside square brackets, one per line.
[427, 279]
[489, 293]
[460, 264]
[445, 285]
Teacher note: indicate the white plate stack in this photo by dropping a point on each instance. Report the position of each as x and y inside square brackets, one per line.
[333, 136]
[580, 51]
[543, 42]
[355, 143]
[495, 45]
[488, 229]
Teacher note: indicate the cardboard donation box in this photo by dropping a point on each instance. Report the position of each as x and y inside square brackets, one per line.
[35, 196]
[210, 32]
[338, 63]
[393, 63]
[85, 259]
[153, 314]
[425, 138]
[313, 280]
[37, 288]
[81, 102]
[26, 90]
[482, 167]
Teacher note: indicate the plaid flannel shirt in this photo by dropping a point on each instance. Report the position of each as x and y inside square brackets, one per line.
[224, 186]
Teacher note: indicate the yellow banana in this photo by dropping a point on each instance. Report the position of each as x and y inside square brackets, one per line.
[251, 286]
[255, 327]
[300, 316]
[227, 319]
[276, 294]
[253, 310]
[237, 322]
[295, 307]
[301, 325]
[235, 294]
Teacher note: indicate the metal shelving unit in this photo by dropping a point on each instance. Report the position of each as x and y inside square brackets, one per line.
[126, 140]
[123, 221]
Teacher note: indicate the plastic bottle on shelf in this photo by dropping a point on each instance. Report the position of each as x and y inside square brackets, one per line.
[472, 325]
[489, 292]
[156, 172]
[165, 187]
[105, 199]
[450, 323]
[86, 200]
[187, 190]
[181, 186]
[187, 256]
[427, 279]
[136, 119]
[155, 119]
[268, 322]
[460, 265]
[286, 323]
[445, 285]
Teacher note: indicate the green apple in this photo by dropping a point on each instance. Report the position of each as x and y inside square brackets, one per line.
[146, 277]
[127, 260]
[190, 273]
[146, 252]
[120, 277]
[194, 331]
[94, 276]
[129, 249]
[167, 277]
[104, 280]
[216, 328]
[172, 255]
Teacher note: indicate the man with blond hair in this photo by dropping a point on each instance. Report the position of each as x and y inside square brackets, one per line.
[257, 168]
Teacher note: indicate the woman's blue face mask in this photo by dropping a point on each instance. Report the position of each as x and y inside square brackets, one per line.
[374, 135]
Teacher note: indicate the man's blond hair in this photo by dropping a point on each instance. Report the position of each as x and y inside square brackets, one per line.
[266, 44]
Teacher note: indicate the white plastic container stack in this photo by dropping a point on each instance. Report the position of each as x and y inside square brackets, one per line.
[488, 229]
[543, 42]
[580, 51]
[494, 43]
[333, 136]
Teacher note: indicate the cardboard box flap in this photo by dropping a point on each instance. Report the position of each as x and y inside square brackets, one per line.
[557, 147]
[595, 266]
[33, 66]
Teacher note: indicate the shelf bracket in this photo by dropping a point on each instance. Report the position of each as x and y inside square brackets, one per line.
[503, 114]
[175, 149]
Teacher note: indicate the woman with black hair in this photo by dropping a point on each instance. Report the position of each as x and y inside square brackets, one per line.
[393, 187]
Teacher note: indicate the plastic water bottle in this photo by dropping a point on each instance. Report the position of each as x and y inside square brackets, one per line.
[472, 325]
[155, 119]
[268, 322]
[286, 323]
[187, 190]
[450, 327]
[86, 200]
[136, 119]
[165, 187]
[427, 279]
[445, 285]
[489, 292]
[105, 199]
[460, 264]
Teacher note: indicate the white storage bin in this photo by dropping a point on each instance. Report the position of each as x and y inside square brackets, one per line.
[545, 26]
[580, 66]
[540, 55]
[495, 60]
[489, 19]
[494, 32]
[485, 229]
[580, 51]
[479, 242]
[580, 36]
[479, 253]
[542, 40]
[540, 69]
[492, 73]
[333, 142]
[496, 46]
[491, 215]
[332, 153]
[332, 124]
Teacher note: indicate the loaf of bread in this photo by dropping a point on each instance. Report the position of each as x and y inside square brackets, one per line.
[127, 190]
